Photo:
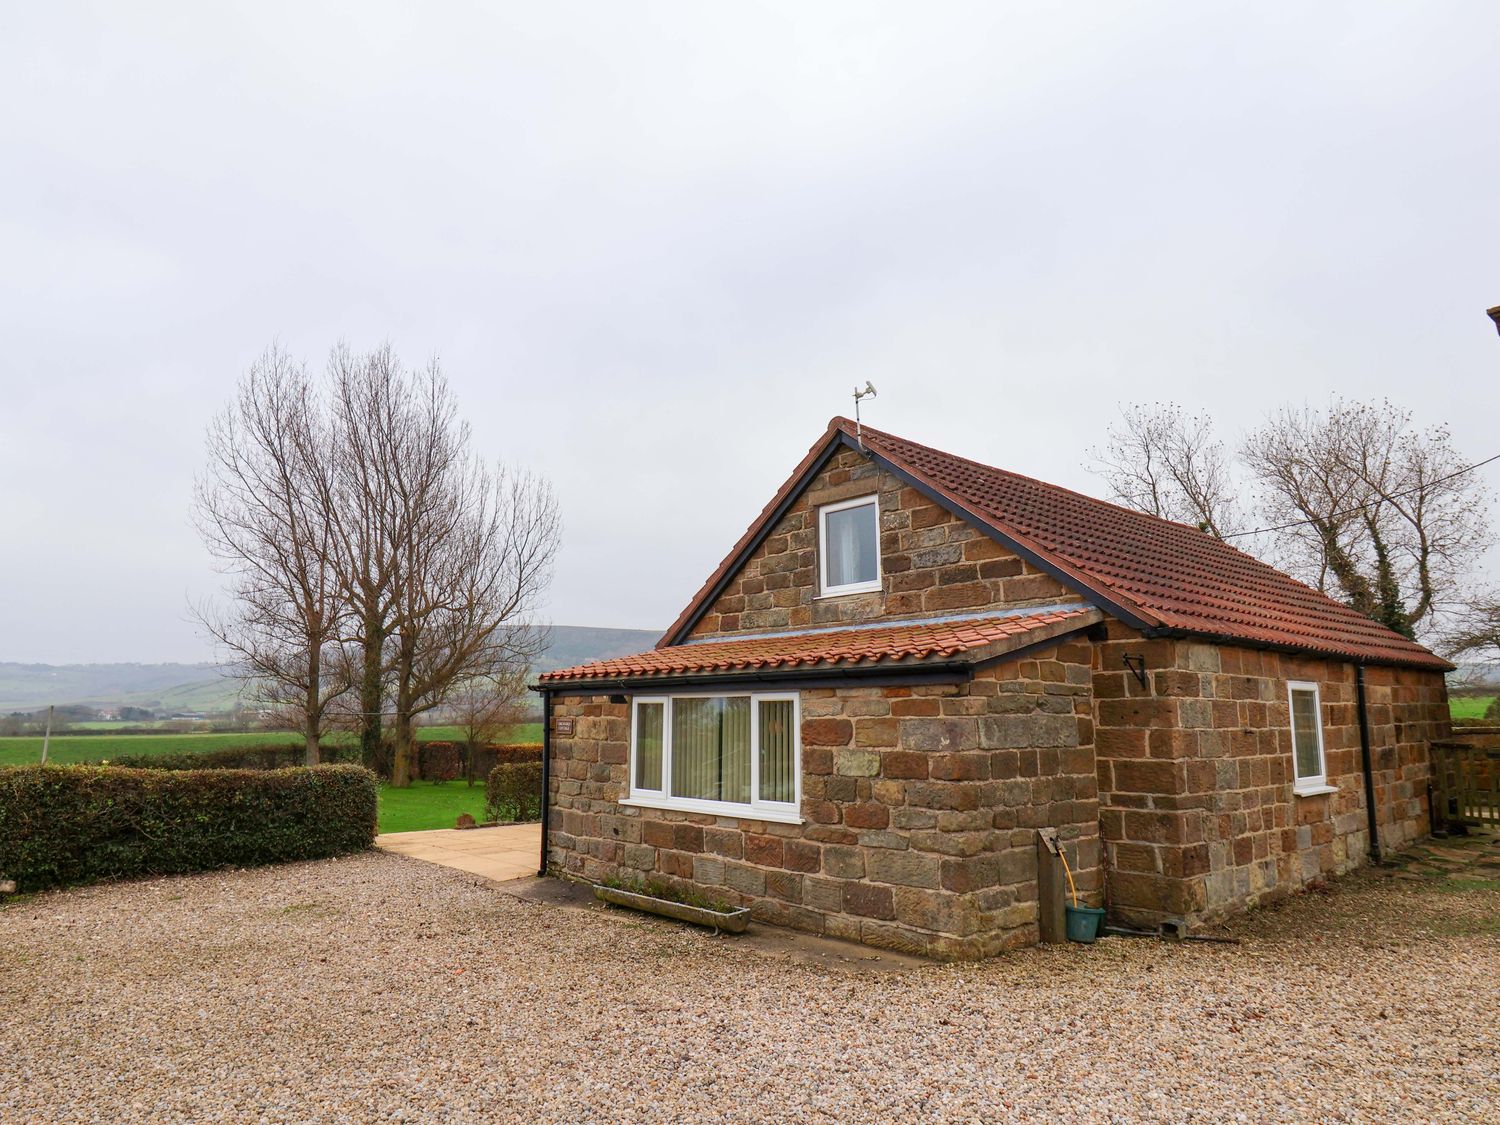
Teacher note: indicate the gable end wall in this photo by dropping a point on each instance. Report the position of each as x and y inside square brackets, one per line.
[932, 564]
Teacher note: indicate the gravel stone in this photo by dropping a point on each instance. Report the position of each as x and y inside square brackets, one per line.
[382, 989]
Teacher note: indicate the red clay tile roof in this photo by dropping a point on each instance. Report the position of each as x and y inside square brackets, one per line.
[1150, 572]
[863, 647]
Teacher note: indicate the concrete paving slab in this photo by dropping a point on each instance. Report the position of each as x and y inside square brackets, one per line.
[512, 851]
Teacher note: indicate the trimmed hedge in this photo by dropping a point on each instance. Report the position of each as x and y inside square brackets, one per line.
[436, 761]
[269, 757]
[63, 825]
[513, 791]
[444, 761]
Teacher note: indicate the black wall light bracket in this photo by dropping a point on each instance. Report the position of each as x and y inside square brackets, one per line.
[1137, 666]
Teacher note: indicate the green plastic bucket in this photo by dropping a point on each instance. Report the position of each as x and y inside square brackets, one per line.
[1084, 923]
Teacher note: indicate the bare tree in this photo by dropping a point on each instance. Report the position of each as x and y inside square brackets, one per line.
[1366, 505]
[260, 509]
[471, 578]
[1164, 461]
[371, 434]
[369, 547]
[442, 561]
[1475, 630]
[1356, 500]
[485, 707]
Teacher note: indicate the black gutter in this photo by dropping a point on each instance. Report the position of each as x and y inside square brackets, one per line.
[879, 675]
[1369, 768]
[546, 774]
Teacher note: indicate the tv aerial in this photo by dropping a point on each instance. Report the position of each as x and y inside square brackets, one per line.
[868, 392]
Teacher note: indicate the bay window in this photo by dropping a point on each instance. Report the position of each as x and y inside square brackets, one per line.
[733, 755]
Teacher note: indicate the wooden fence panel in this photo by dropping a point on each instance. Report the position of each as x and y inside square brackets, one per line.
[1466, 783]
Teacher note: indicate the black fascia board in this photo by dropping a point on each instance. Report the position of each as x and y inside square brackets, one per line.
[771, 680]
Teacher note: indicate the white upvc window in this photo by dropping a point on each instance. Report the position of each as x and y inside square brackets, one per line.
[849, 546]
[1309, 770]
[730, 754]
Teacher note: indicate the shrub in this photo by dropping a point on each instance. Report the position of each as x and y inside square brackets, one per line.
[62, 825]
[1493, 710]
[439, 761]
[513, 791]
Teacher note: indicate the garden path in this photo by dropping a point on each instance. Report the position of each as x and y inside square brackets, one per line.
[510, 851]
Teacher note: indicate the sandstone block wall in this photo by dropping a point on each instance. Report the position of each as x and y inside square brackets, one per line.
[920, 806]
[1195, 773]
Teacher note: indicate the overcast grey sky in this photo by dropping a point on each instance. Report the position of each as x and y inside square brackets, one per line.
[655, 245]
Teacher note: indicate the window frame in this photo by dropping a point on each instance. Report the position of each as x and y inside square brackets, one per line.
[825, 589]
[781, 812]
[1312, 785]
[635, 714]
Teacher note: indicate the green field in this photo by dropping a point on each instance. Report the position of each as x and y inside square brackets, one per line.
[1469, 706]
[69, 750]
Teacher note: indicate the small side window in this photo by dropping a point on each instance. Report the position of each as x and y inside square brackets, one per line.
[1309, 770]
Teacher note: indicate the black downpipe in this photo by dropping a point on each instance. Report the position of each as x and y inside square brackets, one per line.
[1369, 768]
[546, 773]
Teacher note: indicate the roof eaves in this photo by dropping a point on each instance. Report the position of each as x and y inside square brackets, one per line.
[1432, 662]
[1126, 610]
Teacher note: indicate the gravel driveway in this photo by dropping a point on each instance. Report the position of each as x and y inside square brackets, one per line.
[380, 988]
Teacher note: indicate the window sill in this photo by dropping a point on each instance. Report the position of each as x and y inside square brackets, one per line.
[715, 808]
[1313, 790]
[845, 591]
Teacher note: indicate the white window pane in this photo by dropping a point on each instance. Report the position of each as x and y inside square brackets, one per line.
[711, 748]
[777, 750]
[1305, 733]
[648, 732]
[852, 539]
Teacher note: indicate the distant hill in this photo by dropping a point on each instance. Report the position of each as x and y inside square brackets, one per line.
[182, 687]
[206, 687]
[578, 644]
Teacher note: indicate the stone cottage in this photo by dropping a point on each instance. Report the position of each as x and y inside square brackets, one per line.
[911, 662]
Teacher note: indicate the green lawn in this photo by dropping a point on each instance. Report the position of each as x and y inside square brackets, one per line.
[1469, 706]
[429, 805]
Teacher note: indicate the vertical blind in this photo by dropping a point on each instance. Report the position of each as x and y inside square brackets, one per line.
[711, 748]
[778, 750]
[1305, 733]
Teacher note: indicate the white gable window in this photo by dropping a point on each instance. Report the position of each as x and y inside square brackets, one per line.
[730, 755]
[849, 546]
[1309, 771]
